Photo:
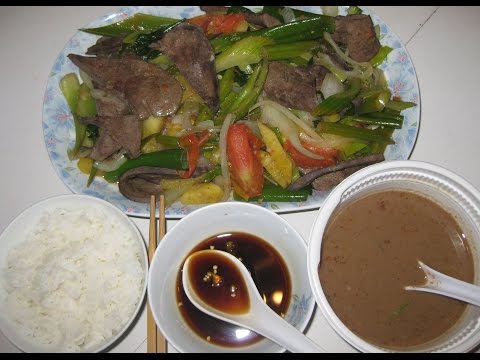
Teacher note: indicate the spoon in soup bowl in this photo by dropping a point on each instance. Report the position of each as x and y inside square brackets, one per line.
[442, 284]
[228, 293]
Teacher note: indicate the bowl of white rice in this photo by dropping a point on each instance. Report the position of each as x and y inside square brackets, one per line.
[73, 272]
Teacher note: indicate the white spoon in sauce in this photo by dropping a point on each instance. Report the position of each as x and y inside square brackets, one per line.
[442, 284]
[218, 284]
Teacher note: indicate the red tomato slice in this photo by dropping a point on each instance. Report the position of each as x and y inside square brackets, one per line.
[201, 21]
[245, 165]
[214, 24]
[192, 144]
[330, 156]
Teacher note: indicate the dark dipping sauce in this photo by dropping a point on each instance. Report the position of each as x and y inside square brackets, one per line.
[369, 254]
[269, 272]
[219, 283]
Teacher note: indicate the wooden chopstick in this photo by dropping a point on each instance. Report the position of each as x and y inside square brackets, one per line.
[161, 341]
[156, 342]
[152, 245]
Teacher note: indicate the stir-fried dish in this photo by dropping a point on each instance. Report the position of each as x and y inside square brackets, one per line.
[231, 104]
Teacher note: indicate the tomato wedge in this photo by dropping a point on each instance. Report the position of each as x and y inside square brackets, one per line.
[214, 24]
[192, 144]
[330, 156]
[246, 169]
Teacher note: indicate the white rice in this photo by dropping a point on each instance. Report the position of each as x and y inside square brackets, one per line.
[74, 282]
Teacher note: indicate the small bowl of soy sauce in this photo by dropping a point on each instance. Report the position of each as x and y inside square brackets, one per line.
[271, 249]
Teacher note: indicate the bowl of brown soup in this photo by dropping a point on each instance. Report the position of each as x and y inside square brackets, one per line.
[271, 249]
[364, 248]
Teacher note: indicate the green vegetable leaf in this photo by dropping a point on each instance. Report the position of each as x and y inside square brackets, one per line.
[400, 310]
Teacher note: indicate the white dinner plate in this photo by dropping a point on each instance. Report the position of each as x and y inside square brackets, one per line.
[59, 133]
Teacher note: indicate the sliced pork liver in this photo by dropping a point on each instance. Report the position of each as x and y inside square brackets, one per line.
[109, 46]
[104, 147]
[340, 169]
[214, 9]
[125, 130]
[188, 47]
[148, 89]
[329, 181]
[140, 183]
[111, 105]
[358, 34]
[294, 87]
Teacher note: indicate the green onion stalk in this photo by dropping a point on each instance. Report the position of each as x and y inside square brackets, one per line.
[301, 30]
[138, 22]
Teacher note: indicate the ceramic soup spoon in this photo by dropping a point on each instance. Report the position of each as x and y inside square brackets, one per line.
[442, 284]
[239, 302]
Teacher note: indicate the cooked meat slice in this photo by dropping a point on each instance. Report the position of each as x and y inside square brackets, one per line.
[358, 34]
[265, 20]
[340, 35]
[142, 93]
[106, 73]
[107, 46]
[134, 78]
[125, 130]
[140, 183]
[329, 181]
[104, 147]
[294, 87]
[188, 47]
[110, 104]
[214, 9]
[359, 162]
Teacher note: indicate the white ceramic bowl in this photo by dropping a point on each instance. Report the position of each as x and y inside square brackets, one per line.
[203, 224]
[99, 211]
[452, 192]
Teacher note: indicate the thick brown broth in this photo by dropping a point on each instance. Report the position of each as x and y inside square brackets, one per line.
[269, 272]
[219, 283]
[369, 254]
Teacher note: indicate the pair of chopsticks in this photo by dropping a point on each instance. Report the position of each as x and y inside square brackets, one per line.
[156, 343]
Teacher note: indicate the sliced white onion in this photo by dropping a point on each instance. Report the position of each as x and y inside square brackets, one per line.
[331, 85]
[229, 119]
[327, 141]
[287, 113]
[206, 125]
[86, 79]
[305, 116]
[111, 163]
[183, 119]
[379, 78]
[190, 111]
[330, 10]
[287, 14]
[171, 195]
[275, 118]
